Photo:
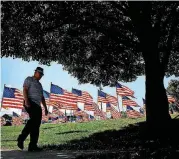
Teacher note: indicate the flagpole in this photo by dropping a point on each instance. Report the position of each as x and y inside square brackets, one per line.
[117, 100]
[71, 115]
[58, 114]
[97, 102]
[101, 105]
[122, 104]
[101, 102]
[50, 100]
[97, 99]
[65, 116]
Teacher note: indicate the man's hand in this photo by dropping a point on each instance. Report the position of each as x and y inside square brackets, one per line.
[27, 103]
[46, 112]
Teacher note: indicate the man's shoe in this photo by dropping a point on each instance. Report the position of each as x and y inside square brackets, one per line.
[34, 149]
[20, 144]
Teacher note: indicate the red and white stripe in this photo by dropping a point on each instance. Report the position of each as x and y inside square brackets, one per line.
[129, 102]
[133, 114]
[57, 111]
[68, 99]
[89, 107]
[115, 114]
[80, 99]
[63, 106]
[171, 99]
[124, 91]
[87, 97]
[112, 100]
[16, 102]
[102, 99]
[80, 113]
[98, 112]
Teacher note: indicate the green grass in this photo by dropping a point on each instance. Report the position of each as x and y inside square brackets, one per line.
[56, 134]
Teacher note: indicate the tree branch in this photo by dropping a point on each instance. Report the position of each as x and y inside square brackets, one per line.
[174, 23]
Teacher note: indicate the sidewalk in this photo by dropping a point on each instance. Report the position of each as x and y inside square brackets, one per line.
[18, 154]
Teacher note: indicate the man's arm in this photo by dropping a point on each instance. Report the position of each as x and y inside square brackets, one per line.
[44, 105]
[25, 93]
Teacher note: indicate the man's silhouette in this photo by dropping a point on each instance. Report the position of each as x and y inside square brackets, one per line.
[33, 96]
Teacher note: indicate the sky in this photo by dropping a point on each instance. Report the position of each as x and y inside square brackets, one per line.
[14, 72]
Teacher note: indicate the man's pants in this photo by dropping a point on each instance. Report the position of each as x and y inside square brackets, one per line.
[33, 124]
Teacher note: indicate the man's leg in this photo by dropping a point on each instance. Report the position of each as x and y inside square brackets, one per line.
[25, 132]
[34, 133]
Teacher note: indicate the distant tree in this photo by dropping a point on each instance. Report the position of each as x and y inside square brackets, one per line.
[173, 89]
[99, 42]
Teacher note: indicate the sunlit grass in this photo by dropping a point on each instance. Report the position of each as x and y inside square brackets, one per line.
[55, 134]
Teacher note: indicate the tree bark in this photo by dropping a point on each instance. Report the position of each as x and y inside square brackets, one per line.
[157, 109]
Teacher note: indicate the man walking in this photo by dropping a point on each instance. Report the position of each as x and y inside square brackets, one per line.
[33, 97]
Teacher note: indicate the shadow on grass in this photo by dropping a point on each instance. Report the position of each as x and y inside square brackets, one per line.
[7, 140]
[48, 128]
[134, 141]
[70, 132]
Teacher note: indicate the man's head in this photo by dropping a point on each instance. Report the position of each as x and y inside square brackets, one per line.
[38, 73]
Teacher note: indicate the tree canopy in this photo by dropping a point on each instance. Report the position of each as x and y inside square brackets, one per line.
[173, 89]
[97, 42]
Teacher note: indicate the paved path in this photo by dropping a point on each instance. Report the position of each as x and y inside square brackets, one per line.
[54, 154]
[17, 154]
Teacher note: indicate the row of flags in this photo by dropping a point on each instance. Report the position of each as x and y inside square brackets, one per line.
[14, 98]
[59, 99]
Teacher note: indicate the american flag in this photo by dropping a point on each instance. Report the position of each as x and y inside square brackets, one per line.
[123, 90]
[128, 101]
[44, 117]
[47, 97]
[170, 99]
[89, 102]
[102, 97]
[112, 100]
[98, 112]
[89, 98]
[91, 117]
[114, 113]
[47, 101]
[57, 111]
[79, 112]
[66, 99]
[12, 98]
[131, 113]
[83, 96]
[24, 114]
[142, 111]
[108, 107]
[16, 121]
[14, 114]
[89, 107]
[3, 121]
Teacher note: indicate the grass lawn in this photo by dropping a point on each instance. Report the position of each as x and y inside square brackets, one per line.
[56, 134]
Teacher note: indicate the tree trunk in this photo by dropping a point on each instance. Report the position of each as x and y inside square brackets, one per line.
[157, 109]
